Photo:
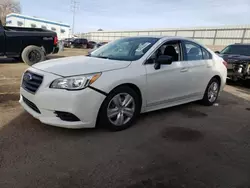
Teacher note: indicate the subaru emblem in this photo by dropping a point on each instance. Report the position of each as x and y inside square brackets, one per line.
[27, 77]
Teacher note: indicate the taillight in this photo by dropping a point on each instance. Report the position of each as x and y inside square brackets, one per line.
[55, 40]
[225, 63]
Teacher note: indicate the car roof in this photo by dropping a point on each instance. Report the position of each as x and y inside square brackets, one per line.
[162, 37]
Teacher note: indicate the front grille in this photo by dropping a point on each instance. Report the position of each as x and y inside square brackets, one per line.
[31, 81]
[31, 105]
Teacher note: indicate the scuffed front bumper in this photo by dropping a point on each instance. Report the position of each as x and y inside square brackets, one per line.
[84, 104]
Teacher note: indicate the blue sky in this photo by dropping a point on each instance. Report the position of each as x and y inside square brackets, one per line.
[141, 14]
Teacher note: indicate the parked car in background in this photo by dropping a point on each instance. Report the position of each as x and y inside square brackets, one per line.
[120, 80]
[79, 43]
[67, 42]
[30, 45]
[238, 58]
[91, 44]
[98, 45]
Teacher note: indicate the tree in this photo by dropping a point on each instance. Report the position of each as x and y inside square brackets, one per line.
[7, 7]
[100, 30]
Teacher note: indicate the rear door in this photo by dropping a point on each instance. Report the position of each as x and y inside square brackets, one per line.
[200, 64]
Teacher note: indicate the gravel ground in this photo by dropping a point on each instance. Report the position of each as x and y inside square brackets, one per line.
[187, 146]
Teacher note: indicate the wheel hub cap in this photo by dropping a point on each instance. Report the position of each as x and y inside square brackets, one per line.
[121, 109]
[213, 91]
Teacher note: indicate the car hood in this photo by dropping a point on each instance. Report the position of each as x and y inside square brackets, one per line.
[79, 65]
[234, 58]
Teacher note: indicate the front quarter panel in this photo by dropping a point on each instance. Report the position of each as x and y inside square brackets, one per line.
[134, 74]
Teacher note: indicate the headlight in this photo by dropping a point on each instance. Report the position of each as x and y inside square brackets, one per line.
[75, 82]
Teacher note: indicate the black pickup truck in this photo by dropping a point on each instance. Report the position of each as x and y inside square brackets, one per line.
[30, 45]
[237, 57]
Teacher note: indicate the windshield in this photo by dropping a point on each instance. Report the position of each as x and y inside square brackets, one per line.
[237, 49]
[126, 49]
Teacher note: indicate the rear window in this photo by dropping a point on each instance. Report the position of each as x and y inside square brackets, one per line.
[237, 50]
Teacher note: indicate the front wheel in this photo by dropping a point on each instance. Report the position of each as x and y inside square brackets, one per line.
[120, 109]
[212, 92]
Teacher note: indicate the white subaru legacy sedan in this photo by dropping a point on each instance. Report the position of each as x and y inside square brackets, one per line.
[120, 80]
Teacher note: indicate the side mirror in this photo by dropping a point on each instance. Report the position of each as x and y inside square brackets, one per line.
[217, 52]
[163, 60]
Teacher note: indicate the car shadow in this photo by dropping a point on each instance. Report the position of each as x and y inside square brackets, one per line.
[25, 126]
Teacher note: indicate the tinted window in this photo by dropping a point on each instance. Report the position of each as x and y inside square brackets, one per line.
[193, 51]
[237, 49]
[206, 54]
[126, 49]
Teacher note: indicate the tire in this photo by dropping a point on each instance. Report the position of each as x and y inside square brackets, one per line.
[108, 103]
[32, 55]
[208, 100]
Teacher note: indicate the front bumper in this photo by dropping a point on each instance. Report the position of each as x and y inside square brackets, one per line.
[84, 104]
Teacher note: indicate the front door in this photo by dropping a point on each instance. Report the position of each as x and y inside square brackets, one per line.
[170, 83]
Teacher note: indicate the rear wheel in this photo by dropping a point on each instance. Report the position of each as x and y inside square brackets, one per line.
[120, 109]
[212, 92]
[33, 54]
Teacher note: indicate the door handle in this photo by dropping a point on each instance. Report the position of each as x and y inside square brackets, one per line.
[184, 69]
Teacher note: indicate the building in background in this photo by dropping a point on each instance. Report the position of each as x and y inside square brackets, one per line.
[18, 20]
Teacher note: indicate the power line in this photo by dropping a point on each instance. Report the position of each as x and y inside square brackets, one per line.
[74, 8]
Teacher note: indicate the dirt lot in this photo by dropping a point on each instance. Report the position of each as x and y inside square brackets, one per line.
[188, 146]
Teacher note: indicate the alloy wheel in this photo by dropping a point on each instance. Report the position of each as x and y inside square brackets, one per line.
[213, 91]
[121, 109]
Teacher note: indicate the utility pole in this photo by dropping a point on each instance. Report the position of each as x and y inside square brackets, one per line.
[74, 7]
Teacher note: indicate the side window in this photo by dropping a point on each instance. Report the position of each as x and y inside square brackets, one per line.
[169, 48]
[193, 51]
[206, 54]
